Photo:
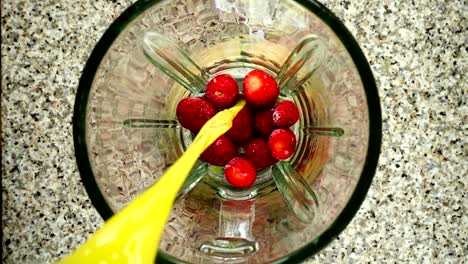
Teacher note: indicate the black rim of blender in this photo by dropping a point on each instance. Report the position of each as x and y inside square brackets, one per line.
[375, 124]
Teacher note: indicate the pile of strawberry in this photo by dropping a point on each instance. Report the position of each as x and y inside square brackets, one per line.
[260, 134]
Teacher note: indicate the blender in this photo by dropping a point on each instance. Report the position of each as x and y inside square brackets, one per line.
[158, 52]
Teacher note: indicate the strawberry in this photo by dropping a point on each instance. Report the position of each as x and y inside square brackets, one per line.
[222, 91]
[259, 154]
[220, 152]
[242, 127]
[193, 112]
[285, 114]
[263, 122]
[240, 172]
[260, 89]
[282, 143]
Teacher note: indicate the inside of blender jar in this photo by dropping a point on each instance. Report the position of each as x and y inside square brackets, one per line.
[133, 136]
[239, 209]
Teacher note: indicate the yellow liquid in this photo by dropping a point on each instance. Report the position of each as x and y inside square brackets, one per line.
[132, 235]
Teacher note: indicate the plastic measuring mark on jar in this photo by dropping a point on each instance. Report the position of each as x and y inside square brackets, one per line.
[132, 235]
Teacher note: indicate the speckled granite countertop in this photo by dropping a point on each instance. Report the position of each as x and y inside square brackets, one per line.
[416, 209]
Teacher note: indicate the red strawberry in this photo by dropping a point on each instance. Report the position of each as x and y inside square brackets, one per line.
[282, 143]
[240, 172]
[263, 122]
[285, 114]
[222, 91]
[259, 154]
[220, 152]
[242, 127]
[260, 89]
[193, 112]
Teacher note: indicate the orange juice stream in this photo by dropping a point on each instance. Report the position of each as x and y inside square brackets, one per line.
[132, 235]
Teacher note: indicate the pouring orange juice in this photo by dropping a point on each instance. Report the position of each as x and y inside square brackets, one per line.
[132, 235]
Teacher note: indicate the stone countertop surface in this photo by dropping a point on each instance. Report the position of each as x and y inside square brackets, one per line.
[415, 211]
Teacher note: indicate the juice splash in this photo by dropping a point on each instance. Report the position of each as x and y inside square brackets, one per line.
[132, 235]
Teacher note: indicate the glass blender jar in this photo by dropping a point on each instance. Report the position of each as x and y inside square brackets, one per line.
[157, 52]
